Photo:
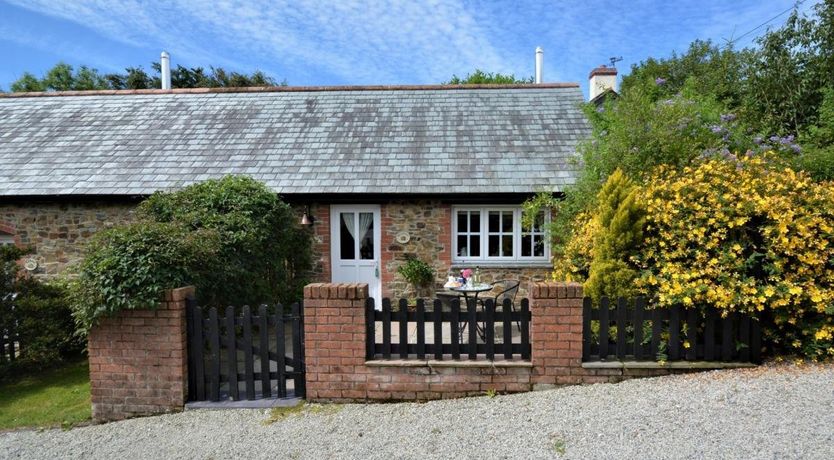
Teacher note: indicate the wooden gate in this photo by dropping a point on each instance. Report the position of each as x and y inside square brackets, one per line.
[244, 356]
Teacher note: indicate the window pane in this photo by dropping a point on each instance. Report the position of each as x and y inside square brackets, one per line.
[526, 246]
[507, 246]
[538, 248]
[462, 247]
[462, 222]
[475, 246]
[366, 243]
[475, 222]
[539, 223]
[507, 222]
[493, 221]
[347, 244]
[493, 249]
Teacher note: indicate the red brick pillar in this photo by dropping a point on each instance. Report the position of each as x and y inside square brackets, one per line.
[556, 334]
[138, 360]
[334, 341]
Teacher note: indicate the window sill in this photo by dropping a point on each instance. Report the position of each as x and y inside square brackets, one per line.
[502, 264]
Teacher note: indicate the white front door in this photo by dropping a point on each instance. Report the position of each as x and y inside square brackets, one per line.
[354, 251]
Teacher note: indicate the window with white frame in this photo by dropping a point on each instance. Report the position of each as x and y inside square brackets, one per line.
[496, 234]
[5, 238]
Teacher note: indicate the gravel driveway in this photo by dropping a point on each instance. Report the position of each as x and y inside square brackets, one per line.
[771, 412]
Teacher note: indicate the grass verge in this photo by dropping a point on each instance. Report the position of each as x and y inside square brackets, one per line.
[50, 398]
[281, 413]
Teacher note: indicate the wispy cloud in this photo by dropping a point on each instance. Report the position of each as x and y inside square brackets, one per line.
[407, 41]
[354, 40]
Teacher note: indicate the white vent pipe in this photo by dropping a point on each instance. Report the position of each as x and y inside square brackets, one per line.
[165, 70]
[539, 63]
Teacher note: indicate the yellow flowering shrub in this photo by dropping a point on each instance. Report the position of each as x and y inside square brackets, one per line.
[745, 235]
[573, 264]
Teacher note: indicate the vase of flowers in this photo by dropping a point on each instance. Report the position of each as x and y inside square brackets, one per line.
[466, 275]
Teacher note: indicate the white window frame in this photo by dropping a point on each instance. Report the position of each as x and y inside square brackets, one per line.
[6, 238]
[484, 259]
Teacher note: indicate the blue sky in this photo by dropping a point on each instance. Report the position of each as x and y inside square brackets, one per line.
[366, 42]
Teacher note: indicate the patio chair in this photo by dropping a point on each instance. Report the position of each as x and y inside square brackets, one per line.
[507, 289]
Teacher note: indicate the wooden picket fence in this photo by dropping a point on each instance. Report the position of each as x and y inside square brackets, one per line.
[456, 332]
[10, 347]
[671, 334]
[223, 350]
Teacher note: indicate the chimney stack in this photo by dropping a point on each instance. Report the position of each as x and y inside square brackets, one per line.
[539, 63]
[165, 70]
[601, 80]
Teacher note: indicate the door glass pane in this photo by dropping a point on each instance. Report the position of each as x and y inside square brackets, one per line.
[526, 245]
[493, 249]
[493, 221]
[475, 246]
[507, 222]
[462, 222]
[366, 229]
[475, 221]
[347, 245]
[507, 246]
[463, 249]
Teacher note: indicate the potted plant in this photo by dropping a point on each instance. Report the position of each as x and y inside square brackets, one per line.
[418, 273]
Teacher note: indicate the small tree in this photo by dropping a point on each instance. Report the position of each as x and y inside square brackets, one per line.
[479, 77]
[620, 219]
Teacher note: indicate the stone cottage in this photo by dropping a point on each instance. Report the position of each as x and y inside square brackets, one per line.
[438, 172]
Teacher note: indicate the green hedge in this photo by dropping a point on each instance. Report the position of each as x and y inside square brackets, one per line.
[233, 238]
[40, 314]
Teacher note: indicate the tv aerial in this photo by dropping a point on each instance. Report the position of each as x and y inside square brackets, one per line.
[615, 60]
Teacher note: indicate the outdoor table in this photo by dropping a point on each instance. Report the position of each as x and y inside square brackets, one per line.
[471, 293]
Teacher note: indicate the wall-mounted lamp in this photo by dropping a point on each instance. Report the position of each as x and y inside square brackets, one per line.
[306, 218]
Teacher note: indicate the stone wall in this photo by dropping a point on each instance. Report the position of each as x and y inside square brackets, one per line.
[139, 362]
[337, 368]
[59, 231]
[428, 225]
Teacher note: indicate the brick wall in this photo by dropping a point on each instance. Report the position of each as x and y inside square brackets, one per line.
[321, 242]
[334, 326]
[138, 360]
[334, 334]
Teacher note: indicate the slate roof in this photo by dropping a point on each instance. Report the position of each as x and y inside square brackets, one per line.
[433, 139]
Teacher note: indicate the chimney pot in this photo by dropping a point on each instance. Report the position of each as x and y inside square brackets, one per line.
[601, 80]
